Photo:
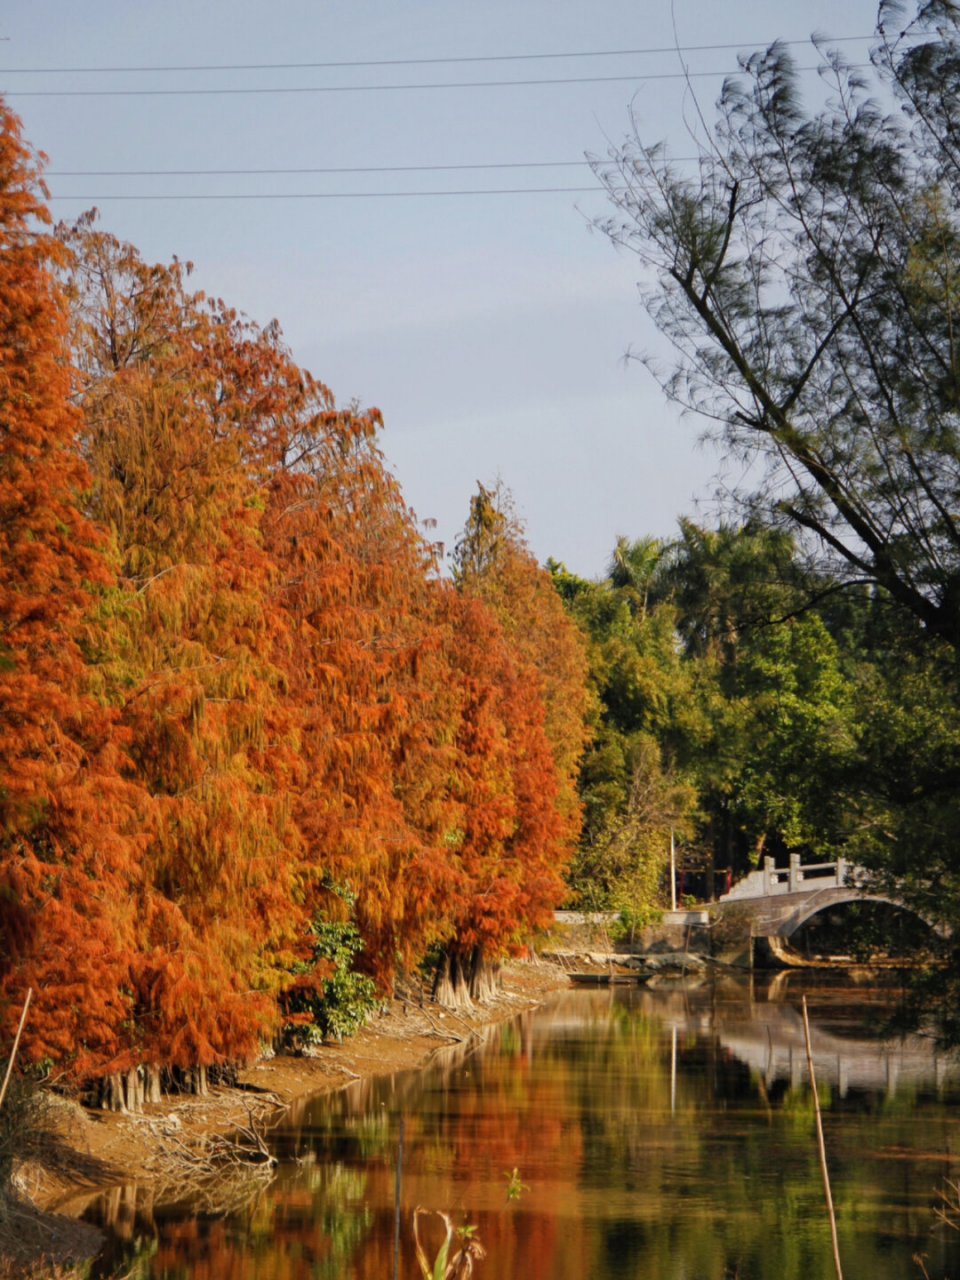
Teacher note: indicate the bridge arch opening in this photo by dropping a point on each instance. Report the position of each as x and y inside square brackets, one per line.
[864, 930]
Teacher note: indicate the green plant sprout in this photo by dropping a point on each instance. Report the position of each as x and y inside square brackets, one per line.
[515, 1188]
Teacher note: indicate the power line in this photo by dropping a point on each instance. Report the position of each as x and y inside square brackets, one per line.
[330, 170]
[382, 168]
[341, 195]
[418, 62]
[373, 88]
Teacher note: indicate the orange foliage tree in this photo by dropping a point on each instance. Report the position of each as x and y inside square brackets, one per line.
[492, 560]
[67, 812]
[523, 722]
[273, 600]
[184, 642]
[236, 701]
[361, 667]
[511, 843]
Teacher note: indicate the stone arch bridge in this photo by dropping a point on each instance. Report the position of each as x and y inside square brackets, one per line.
[777, 901]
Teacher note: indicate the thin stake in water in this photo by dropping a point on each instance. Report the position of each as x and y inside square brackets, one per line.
[820, 1143]
[396, 1205]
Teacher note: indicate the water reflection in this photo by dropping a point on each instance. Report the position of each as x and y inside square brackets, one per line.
[662, 1134]
[850, 1047]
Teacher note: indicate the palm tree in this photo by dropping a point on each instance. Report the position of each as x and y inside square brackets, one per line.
[633, 567]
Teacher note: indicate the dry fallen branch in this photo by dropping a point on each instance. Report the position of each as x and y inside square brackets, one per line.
[442, 1032]
[211, 1154]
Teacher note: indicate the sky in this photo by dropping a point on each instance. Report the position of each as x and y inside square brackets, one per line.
[491, 330]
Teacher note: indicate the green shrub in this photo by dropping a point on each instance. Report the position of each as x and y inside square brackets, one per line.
[347, 998]
[339, 1002]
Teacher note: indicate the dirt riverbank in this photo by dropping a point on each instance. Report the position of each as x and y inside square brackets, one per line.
[95, 1150]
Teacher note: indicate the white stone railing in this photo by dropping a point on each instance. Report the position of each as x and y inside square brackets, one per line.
[798, 877]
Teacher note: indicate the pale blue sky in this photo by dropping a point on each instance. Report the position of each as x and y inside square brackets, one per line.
[490, 330]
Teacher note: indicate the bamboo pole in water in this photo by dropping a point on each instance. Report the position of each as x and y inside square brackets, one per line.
[820, 1144]
[396, 1205]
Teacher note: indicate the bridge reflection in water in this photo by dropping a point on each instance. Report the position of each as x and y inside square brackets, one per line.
[759, 1023]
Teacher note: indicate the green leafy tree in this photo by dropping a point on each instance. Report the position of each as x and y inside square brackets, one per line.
[801, 735]
[728, 582]
[805, 273]
[771, 722]
[633, 567]
[626, 862]
[727, 708]
[632, 789]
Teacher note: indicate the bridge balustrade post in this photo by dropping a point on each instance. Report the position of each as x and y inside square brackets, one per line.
[769, 880]
[841, 872]
[796, 876]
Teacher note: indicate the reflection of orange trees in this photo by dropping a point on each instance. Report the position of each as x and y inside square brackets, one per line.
[214, 1252]
[457, 1152]
[498, 1127]
[308, 1229]
[493, 1113]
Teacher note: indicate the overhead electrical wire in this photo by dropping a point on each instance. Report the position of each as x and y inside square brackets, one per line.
[379, 168]
[364, 88]
[418, 62]
[326, 195]
[373, 88]
[333, 169]
[337, 195]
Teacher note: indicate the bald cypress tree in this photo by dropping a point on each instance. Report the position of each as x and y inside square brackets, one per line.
[67, 852]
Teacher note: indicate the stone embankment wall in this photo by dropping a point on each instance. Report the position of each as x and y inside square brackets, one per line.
[599, 935]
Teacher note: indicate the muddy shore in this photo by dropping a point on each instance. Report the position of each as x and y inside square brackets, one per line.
[96, 1150]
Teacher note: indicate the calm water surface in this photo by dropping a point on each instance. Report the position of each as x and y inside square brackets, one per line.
[660, 1135]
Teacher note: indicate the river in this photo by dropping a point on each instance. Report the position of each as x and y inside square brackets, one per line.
[617, 1133]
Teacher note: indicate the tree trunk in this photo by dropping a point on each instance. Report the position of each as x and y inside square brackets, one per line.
[152, 1086]
[484, 978]
[461, 979]
[134, 1094]
[111, 1097]
[450, 987]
